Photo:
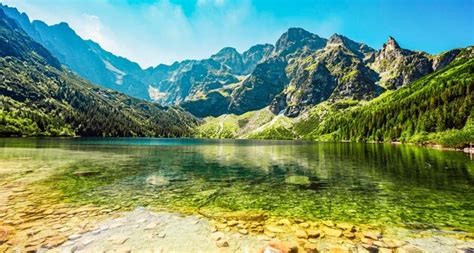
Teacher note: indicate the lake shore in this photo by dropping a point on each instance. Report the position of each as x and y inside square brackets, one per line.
[145, 230]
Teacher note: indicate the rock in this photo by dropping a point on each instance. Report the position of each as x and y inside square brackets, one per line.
[301, 234]
[311, 248]
[339, 249]
[329, 224]
[161, 235]
[243, 231]
[332, 232]
[313, 233]
[232, 223]
[123, 250]
[86, 173]
[35, 242]
[372, 235]
[217, 236]
[221, 225]
[367, 241]
[151, 225]
[274, 229]
[5, 232]
[48, 211]
[222, 243]
[279, 247]
[348, 235]
[284, 222]
[391, 243]
[118, 240]
[157, 180]
[269, 234]
[55, 241]
[379, 244]
[304, 225]
[385, 250]
[346, 227]
[409, 249]
[298, 180]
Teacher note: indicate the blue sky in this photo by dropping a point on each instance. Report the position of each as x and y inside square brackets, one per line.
[162, 31]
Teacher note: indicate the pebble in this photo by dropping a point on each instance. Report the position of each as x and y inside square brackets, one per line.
[279, 247]
[5, 232]
[55, 241]
[348, 235]
[161, 235]
[274, 229]
[409, 249]
[339, 249]
[217, 236]
[151, 225]
[221, 226]
[304, 225]
[222, 243]
[118, 240]
[333, 232]
[311, 247]
[243, 231]
[284, 222]
[301, 234]
[372, 235]
[232, 223]
[313, 233]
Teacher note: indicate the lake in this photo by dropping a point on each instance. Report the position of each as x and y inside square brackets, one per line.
[378, 185]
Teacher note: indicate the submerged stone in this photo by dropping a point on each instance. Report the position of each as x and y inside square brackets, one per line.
[157, 180]
[298, 180]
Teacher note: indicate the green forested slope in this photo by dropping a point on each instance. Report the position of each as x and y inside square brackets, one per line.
[438, 108]
[40, 98]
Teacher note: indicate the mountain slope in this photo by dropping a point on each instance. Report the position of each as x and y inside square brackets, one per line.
[438, 108]
[84, 57]
[39, 97]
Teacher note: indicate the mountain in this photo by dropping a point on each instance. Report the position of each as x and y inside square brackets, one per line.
[304, 70]
[300, 71]
[38, 96]
[84, 57]
[437, 108]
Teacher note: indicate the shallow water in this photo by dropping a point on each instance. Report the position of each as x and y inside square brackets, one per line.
[372, 184]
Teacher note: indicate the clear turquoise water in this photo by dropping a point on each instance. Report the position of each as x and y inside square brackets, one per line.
[360, 183]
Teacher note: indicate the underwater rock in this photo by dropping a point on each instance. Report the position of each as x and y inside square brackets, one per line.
[232, 223]
[333, 232]
[222, 243]
[298, 180]
[409, 249]
[5, 232]
[157, 180]
[313, 233]
[279, 247]
[274, 229]
[372, 235]
[86, 173]
[243, 231]
[301, 234]
[284, 222]
[310, 247]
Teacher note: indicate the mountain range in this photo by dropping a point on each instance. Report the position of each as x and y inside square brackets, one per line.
[302, 87]
[39, 97]
[298, 72]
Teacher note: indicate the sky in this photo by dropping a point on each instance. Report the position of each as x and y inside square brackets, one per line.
[151, 32]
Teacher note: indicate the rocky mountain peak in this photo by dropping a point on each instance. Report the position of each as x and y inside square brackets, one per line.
[391, 44]
[298, 38]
